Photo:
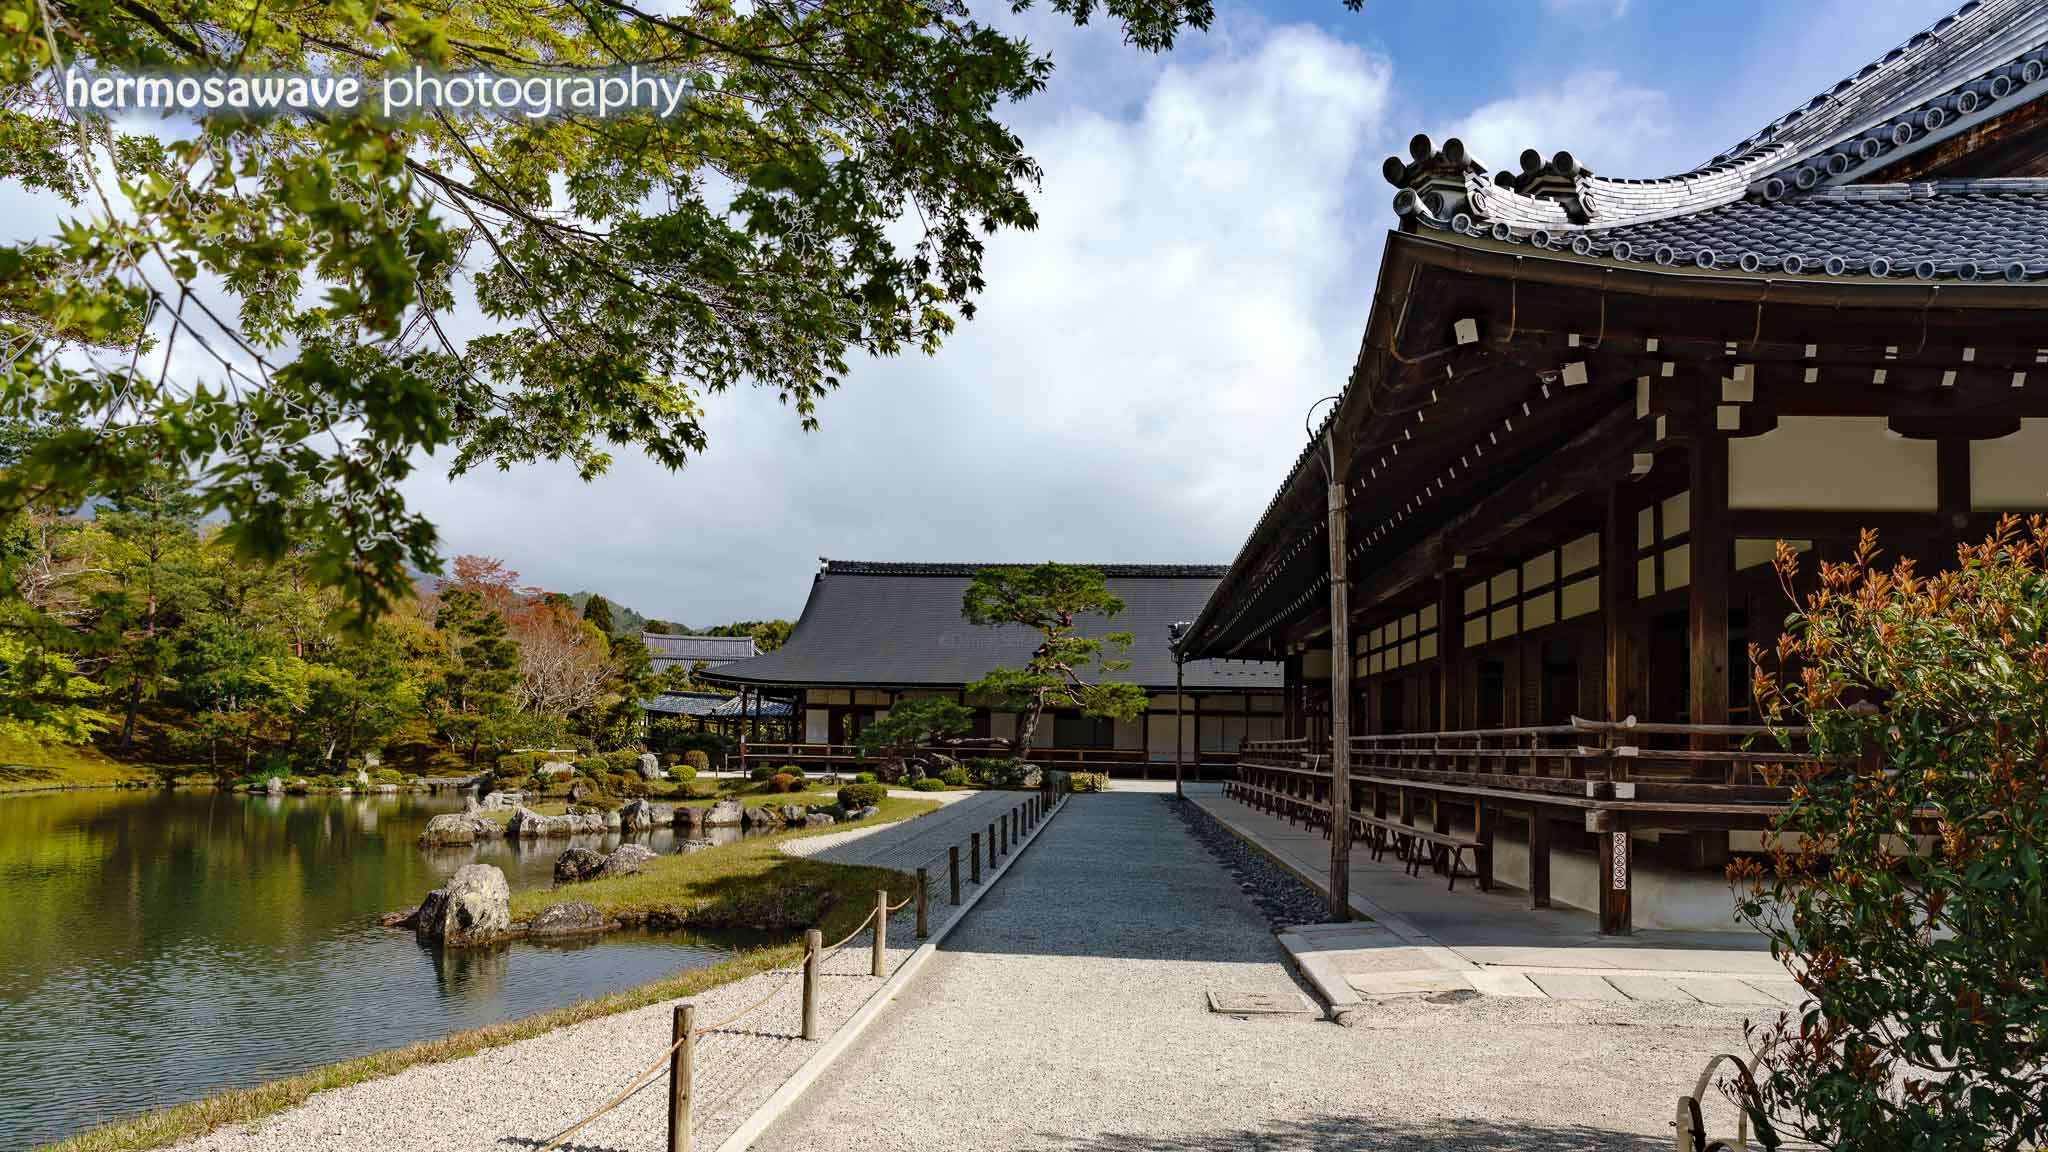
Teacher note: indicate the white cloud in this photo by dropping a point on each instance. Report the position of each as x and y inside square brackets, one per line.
[1611, 9]
[1132, 389]
[1610, 125]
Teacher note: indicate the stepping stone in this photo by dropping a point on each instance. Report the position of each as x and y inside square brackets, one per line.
[1513, 984]
[1637, 986]
[1725, 991]
[1412, 982]
[1575, 986]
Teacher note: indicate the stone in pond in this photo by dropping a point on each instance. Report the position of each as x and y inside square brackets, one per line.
[475, 908]
[578, 864]
[457, 828]
[573, 918]
[725, 814]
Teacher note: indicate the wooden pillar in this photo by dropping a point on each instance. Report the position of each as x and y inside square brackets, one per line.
[1539, 858]
[1618, 611]
[1712, 557]
[1290, 698]
[1340, 690]
[1617, 873]
[1482, 856]
[1952, 502]
[1450, 647]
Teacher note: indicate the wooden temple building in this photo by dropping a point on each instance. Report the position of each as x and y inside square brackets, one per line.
[875, 633]
[1512, 579]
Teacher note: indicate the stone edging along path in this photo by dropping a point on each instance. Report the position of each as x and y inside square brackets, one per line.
[842, 1038]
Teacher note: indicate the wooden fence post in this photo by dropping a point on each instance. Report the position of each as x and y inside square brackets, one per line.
[923, 898]
[1003, 830]
[953, 872]
[681, 1070]
[881, 930]
[814, 943]
[974, 851]
[991, 845]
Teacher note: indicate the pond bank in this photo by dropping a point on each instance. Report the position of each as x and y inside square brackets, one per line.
[754, 865]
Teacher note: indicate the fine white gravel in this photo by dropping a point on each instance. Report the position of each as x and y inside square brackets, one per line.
[1069, 1011]
[519, 1096]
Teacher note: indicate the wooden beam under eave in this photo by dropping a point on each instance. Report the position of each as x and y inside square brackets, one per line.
[1599, 455]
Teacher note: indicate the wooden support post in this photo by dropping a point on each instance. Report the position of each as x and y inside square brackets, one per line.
[1340, 689]
[1450, 647]
[1952, 500]
[1539, 858]
[876, 966]
[814, 943]
[991, 845]
[1618, 600]
[1617, 873]
[953, 873]
[1712, 558]
[923, 899]
[1003, 831]
[974, 858]
[681, 1072]
[1482, 857]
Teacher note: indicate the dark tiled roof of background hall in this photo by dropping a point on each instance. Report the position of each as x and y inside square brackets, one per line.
[713, 704]
[900, 625]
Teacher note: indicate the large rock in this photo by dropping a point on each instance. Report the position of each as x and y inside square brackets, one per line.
[642, 816]
[475, 908]
[578, 864]
[503, 801]
[650, 766]
[572, 918]
[274, 786]
[554, 768]
[457, 828]
[819, 820]
[690, 819]
[625, 860]
[526, 824]
[761, 816]
[581, 791]
[362, 778]
[793, 815]
[725, 814]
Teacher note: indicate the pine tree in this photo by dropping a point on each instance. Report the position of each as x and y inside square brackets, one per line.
[597, 611]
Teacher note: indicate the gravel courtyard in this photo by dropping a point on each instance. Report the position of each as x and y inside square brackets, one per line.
[1070, 1011]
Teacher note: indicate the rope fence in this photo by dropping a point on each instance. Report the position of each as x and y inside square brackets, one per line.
[678, 1062]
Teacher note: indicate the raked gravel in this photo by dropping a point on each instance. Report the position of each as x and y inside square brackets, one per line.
[520, 1095]
[1069, 1012]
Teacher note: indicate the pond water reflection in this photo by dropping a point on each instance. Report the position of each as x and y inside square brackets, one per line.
[159, 946]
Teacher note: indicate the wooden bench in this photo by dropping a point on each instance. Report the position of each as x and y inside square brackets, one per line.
[1295, 808]
[1444, 851]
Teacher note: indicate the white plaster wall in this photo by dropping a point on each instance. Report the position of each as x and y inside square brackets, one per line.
[1850, 463]
[1662, 897]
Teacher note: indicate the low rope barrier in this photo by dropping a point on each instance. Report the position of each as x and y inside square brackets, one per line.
[678, 1058]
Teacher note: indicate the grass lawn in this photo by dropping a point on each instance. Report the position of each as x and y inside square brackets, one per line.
[726, 876]
[27, 765]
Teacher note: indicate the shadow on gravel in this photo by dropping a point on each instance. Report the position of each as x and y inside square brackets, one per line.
[1351, 1134]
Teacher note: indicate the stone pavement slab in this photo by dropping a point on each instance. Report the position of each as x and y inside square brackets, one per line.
[1501, 982]
[1724, 991]
[1575, 986]
[1641, 986]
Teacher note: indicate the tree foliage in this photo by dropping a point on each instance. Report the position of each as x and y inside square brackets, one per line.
[1907, 895]
[1051, 599]
[912, 725]
[597, 612]
[262, 299]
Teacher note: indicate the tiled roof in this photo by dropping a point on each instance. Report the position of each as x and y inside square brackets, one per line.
[669, 649]
[1784, 201]
[1975, 230]
[713, 704]
[899, 625]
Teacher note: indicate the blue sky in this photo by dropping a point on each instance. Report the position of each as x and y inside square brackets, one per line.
[1211, 221]
[1134, 387]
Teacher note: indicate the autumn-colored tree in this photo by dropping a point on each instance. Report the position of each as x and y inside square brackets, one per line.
[1907, 891]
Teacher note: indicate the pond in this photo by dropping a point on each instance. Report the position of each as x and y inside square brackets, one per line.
[158, 946]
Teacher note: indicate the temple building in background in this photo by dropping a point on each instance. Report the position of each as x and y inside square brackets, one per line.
[875, 633]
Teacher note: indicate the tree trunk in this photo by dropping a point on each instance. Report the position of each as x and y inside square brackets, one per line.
[1027, 727]
[128, 714]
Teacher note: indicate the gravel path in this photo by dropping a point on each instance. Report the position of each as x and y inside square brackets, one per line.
[520, 1095]
[1280, 894]
[1069, 1012]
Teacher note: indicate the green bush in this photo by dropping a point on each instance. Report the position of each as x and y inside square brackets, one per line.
[682, 772]
[592, 766]
[928, 784]
[760, 772]
[867, 778]
[781, 782]
[697, 760]
[624, 760]
[953, 777]
[861, 795]
[986, 769]
[795, 770]
[1088, 781]
[386, 776]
